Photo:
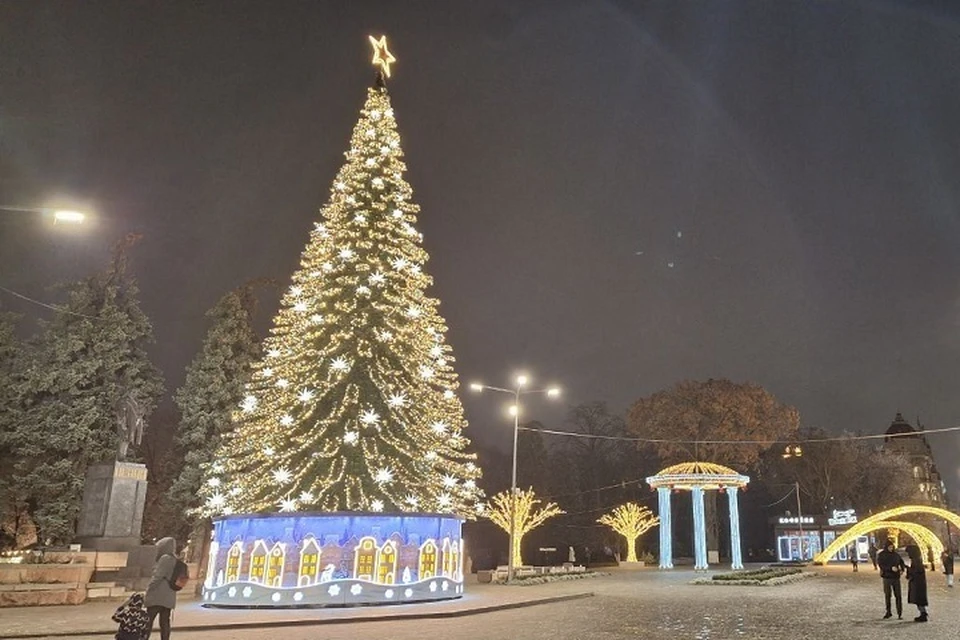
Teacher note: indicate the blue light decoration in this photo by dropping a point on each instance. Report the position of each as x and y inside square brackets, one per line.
[699, 531]
[666, 529]
[736, 559]
[333, 559]
[698, 477]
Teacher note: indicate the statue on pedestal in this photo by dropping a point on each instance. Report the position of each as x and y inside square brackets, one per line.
[129, 416]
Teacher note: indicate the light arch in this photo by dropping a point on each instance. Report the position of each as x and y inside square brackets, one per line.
[926, 539]
[871, 524]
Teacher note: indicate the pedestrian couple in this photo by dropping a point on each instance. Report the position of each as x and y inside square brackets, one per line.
[892, 567]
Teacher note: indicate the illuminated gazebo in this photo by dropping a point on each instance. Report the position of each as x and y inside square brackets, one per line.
[697, 477]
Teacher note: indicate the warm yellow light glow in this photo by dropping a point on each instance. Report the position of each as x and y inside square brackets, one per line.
[475, 386]
[880, 521]
[926, 539]
[354, 404]
[67, 216]
[553, 392]
[522, 380]
[513, 410]
[527, 516]
[701, 475]
[631, 521]
[381, 56]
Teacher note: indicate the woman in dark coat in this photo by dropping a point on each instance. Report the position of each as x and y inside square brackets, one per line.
[917, 580]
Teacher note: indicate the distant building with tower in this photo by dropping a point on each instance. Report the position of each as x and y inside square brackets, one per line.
[909, 441]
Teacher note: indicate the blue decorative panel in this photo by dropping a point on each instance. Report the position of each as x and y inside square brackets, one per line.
[333, 559]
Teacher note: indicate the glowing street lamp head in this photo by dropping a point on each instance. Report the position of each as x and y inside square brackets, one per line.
[522, 380]
[553, 392]
[514, 410]
[476, 386]
[68, 217]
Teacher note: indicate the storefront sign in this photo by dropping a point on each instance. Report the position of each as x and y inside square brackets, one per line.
[797, 520]
[848, 516]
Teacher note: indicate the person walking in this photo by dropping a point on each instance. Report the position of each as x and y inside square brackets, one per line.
[917, 579]
[854, 558]
[947, 561]
[161, 598]
[891, 567]
[872, 552]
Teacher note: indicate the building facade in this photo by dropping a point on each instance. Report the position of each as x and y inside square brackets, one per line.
[909, 441]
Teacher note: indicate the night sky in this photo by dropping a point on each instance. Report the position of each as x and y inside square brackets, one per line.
[616, 195]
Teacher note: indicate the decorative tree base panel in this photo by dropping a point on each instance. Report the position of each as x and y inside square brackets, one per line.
[333, 560]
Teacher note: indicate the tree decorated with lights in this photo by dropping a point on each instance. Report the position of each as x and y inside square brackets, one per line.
[527, 516]
[354, 405]
[631, 521]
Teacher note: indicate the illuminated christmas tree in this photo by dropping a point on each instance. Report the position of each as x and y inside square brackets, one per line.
[354, 404]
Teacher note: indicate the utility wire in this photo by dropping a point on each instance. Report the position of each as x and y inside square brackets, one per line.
[47, 306]
[789, 493]
[623, 484]
[576, 434]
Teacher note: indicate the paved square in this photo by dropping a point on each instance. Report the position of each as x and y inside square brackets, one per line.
[839, 605]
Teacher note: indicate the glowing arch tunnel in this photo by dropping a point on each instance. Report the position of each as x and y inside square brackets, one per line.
[884, 520]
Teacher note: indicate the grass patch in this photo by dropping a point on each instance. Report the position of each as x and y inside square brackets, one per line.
[768, 577]
[758, 575]
[555, 577]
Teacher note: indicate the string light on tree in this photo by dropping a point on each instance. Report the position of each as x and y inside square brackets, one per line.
[631, 521]
[528, 515]
[359, 371]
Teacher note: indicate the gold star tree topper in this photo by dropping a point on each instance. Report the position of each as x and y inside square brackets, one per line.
[381, 55]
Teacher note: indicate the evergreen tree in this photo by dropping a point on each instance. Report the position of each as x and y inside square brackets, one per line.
[86, 360]
[11, 412]
[211, 394]
[354, 405]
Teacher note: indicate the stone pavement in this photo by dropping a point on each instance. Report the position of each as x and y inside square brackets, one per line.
[93, 618]
[839, 605]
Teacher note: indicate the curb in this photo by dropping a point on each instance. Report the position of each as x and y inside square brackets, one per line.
[271, 624]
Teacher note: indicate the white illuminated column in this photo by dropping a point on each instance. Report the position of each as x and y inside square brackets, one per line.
[666, 529]
[735, 554]
[699, 530]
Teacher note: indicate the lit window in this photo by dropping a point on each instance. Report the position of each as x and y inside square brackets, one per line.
[364, 559]
[309, 562]
[387, 563]
[234, 559]
[258, 562]
[428, 560]
[275, 566]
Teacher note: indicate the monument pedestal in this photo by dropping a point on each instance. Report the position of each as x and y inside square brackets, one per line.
[114, 495]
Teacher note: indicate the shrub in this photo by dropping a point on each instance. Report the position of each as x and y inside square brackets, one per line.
[758, 575]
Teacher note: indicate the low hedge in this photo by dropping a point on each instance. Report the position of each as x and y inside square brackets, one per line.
[758, 575]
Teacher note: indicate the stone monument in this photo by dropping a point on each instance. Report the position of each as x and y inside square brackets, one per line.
[114, 493]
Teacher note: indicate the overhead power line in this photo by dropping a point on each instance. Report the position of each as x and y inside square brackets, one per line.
[52, 307]
[594, 436]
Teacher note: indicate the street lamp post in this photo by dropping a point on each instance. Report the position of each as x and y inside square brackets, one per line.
[521, 382]
[796, 452]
